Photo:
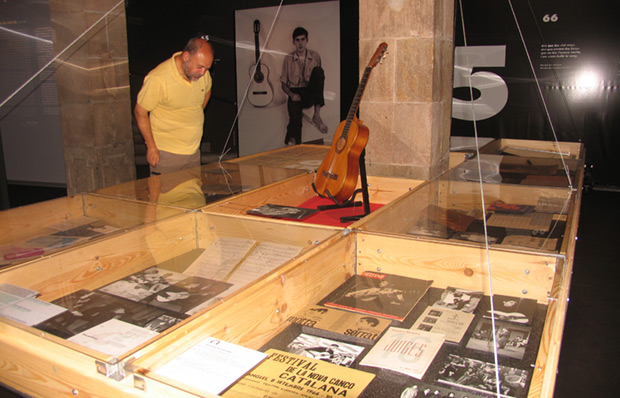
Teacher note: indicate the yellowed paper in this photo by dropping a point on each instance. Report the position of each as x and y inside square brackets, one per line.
[288, 375]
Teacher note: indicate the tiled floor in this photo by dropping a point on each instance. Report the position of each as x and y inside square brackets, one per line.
[590, 343]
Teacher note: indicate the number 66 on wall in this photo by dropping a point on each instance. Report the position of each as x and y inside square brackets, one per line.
[492, 88]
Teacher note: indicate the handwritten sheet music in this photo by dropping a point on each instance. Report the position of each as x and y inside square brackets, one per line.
[266, 257]
[220, 258]
[240, 262]
[530, 221]
[530, 241]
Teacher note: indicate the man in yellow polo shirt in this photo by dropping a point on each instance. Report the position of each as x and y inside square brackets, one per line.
[170, 108]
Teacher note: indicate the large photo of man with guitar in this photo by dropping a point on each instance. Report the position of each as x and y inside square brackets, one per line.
[288, 75]
[302, 80]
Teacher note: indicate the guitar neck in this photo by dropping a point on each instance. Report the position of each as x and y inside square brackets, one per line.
[257, 51]
[356, 101]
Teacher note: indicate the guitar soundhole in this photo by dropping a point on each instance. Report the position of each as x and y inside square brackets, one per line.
[340, 144]
[258, 77]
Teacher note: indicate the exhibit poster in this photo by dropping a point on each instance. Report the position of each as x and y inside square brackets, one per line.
[451, 323]
[29, 110]
[264, 41]
[405, 351]
[288, 375]
[342, 322]
[384, 295]
[540, 71]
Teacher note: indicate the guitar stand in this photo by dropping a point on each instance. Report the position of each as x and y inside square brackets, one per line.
[351, 202]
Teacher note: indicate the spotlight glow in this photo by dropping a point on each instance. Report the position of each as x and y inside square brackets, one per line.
[587, 80]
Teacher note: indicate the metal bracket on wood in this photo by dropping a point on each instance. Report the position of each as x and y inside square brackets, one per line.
[114, 371]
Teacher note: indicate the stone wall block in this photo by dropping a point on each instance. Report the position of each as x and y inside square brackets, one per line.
[414, 70]
[396, 18]
[76, 124]
[93, 87]
[407, 104]
[381, 84]
[73, 83]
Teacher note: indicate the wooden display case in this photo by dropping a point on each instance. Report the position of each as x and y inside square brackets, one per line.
[297, 192]
[44, 364]
[35, 231]
[525, 218]
[382, 243]
[534, 149]
[255, 315]
[301, 157]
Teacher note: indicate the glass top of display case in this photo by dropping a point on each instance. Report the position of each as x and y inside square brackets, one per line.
[199, 186]
[39, 230]
[507, 216]
[509, 169]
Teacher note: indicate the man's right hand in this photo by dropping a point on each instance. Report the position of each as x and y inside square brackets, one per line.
[152, 156]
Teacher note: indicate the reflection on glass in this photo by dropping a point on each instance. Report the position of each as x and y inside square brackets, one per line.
[517, 217]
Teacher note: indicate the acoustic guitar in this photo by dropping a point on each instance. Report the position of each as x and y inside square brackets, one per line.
[261, 90]
[337, 176]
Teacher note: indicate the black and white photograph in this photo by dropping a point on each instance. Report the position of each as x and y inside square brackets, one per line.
[475, 237]
[143, 284]
[187, 294]
[279, 211]
[481, 376]
[288, 75]
[512, 309]
[459, 299]
[336, 352]
[430, 229]
[511, 340]
[87, 309]
[385, 295]
[162, 323]
[91, 230]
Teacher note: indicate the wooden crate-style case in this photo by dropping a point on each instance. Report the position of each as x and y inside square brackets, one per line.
[298, 192]
[255, 315]
[44, 364]
[35, 231]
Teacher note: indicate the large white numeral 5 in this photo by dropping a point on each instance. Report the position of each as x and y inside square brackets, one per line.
[492, 88]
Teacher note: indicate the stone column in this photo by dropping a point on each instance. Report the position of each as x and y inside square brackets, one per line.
[92, 75]
[408, 100]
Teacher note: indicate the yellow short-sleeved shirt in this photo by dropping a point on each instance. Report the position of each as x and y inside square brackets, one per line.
[175, 107]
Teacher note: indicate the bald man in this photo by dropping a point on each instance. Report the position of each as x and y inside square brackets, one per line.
[170, 108]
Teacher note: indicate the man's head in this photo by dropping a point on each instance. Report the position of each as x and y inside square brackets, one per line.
[300, 39]
[370, 321]
[197, 58]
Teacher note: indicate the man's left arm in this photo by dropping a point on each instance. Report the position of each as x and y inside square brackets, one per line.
[207, 96]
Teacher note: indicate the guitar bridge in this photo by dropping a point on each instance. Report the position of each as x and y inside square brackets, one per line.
[329, 175]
